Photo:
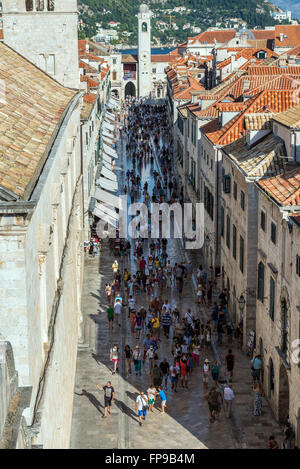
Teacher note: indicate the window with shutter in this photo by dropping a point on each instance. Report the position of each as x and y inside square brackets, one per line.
[222, 221]
[241, 254]
[298, 265]
[263, 220]
[273, 233]
[272, 298]
[228, 231]
[235, 190]
[242, 200]
[234, 241]
[261, 282]
[226, 184]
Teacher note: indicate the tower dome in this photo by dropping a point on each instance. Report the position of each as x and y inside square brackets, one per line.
[250, 34]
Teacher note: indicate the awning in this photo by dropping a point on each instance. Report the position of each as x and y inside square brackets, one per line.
[104, 217]
[107, 125]
[107, 198]
[107, 135]
[108, 165]
[107, 141]
[110, 116]
[108, 211]
[107, 184]
[110, 151]
[108, 174]
[106, 158]
[113, 104]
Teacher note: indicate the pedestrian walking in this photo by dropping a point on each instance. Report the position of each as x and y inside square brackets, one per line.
[109, 393]
[228, 398]
[230, 364]
[128, 357]
[258, 393]
[117, 311]
[114, 357]
[137, 360]
[141, 406]
[110, 317]
[206, 373]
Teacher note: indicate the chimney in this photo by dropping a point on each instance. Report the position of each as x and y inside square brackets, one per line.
[281, 37]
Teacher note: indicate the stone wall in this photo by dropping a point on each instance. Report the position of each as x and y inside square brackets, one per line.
[39, 36]
[41, 275]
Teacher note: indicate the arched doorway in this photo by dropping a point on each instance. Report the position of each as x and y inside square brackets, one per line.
[284, 395]
[130, 89]
[115, 93]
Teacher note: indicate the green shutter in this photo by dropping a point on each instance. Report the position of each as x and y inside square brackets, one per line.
[261, 282]
[272, 298]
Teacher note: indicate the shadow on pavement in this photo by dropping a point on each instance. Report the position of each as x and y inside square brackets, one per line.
[125, 409]
[93, 400]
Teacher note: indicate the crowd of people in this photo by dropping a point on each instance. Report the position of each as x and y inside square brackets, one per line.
[168, 341]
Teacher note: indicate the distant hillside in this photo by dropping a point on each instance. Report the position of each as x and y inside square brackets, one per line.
[199, 13]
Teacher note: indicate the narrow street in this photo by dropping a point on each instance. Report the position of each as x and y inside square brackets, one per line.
[186, 424]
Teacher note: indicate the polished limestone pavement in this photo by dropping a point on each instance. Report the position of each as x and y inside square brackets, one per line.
[186, 424]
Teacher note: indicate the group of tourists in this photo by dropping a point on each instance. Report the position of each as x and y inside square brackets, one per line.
[168, 340]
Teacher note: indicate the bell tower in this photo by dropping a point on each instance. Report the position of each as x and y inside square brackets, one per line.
[144, 51]
[45, 32]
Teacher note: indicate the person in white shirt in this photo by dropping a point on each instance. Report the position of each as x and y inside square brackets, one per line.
[150, 356]
[118, 310]
[189, 315]
[141, 404]
[167, 306]
[228, 399]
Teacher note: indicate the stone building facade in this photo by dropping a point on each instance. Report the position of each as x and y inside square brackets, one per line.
[44, 32]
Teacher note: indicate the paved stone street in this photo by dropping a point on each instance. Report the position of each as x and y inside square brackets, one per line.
[186, 424]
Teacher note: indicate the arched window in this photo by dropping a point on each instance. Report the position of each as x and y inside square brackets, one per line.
[144, 27]
[29, 5]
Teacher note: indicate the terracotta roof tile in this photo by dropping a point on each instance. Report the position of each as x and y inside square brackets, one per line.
[30, 117]
[220, 35]
[285, 188]
[261, 160]
[291, 35]
[290, 118]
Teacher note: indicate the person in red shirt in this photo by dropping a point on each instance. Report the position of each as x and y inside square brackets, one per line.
[142, 263]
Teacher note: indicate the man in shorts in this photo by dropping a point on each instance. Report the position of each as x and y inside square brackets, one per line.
[163, 397]
[109, 393]
[141, 404]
